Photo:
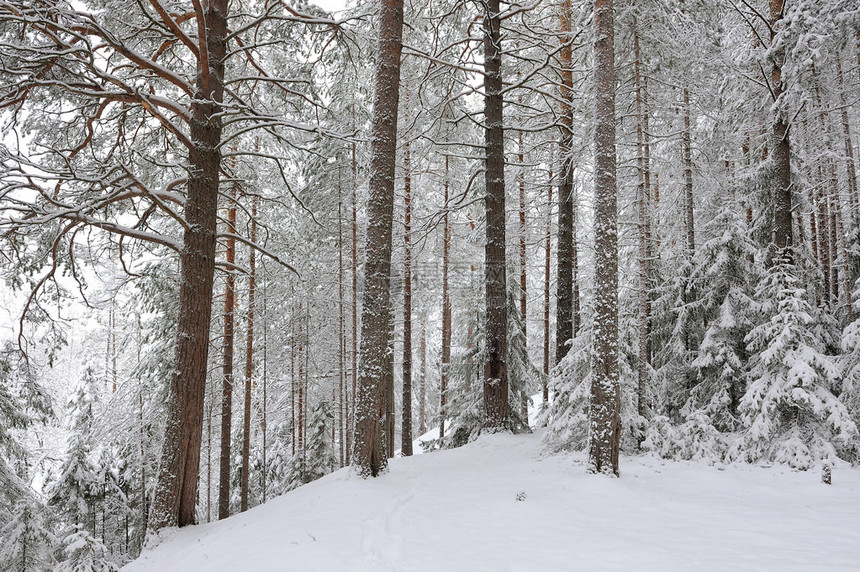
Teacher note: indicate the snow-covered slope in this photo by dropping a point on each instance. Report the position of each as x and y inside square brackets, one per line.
[459, 511]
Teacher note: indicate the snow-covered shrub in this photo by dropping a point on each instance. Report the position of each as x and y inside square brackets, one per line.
[569, 387]
[694, 440]
[85, 553]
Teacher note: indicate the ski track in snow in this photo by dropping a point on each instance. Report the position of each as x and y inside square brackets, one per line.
[458, 511]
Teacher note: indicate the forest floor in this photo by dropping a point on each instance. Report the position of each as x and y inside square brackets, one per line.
[500, 504]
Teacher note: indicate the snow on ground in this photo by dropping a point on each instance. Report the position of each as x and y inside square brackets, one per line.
[457, 510]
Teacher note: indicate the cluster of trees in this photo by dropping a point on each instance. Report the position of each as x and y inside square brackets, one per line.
[645, 212]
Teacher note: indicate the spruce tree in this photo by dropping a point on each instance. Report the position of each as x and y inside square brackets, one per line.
[789, 411]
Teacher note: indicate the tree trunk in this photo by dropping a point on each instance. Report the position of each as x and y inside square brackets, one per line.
[521, 184]
[850, 167]
[422, 400]
[564, 285]
[406, 423]
[341, 337]
[604, 421]
[350, 427]
[782, 229]
[249, 364]
[496, 408]
[546, 291]
[176, 492]
[689, 221]
[293, 385]
[446, 308]
[643, 199]
[225, 456]
[370, 450]
[389, 420]
[300, 396]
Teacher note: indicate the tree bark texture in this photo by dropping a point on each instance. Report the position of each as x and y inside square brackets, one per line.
[564, 284]
[227, 366]
[342, 404]
[406, 423]
[850, 167]
[422, 400]
[496, 408]
[643, 200]
[446, 307]
[687, 137]
[249, 365]
[604, 420]
[782, 229]
[546, 287]
[176, 491]
[369, 456]
[350, 426]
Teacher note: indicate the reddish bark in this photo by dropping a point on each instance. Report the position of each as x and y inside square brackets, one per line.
[369, 454]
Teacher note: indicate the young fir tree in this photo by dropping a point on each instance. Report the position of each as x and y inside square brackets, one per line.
[523, 376]
[75, 487]
[789, 410]
[850, 368]
[25, 533]
[723, 271]
[26, 538]
[321, 457]
[464, 407]
[84, 552]
[569, 387]
[318, 457]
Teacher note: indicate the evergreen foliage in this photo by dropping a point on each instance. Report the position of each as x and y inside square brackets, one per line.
[789, 411]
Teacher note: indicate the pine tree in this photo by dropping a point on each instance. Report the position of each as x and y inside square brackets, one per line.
[370, 449]
[496, 406]
[605, 404]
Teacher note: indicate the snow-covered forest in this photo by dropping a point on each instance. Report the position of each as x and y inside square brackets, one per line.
[247, 243]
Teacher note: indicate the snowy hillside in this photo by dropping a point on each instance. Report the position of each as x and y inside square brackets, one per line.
[458, 510]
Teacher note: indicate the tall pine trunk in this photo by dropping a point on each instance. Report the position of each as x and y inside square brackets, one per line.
[496, 408]
[342, 405]
[406, 423]
[546, 290]
[643, 227]
[176, 492]
[249, 364]
[446, 307]
[850, 167]
[225, 456]
[781, 154]
[350, 426]
[564, 284]
[369, 455]
[422, 399]
[604, 420]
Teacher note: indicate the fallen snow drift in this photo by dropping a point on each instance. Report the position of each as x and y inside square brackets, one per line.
[458, 510]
